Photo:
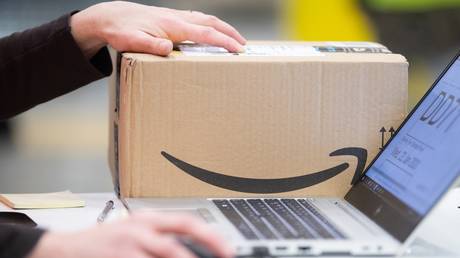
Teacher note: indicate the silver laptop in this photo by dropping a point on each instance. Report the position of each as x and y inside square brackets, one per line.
[381, 212]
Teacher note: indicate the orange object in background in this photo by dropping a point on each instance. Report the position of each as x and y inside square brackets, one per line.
[325, 20]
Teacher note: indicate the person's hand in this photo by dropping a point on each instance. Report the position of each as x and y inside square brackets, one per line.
[139, 28]
[141, 235]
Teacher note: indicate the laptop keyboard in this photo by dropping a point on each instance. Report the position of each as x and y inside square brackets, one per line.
[277, 219]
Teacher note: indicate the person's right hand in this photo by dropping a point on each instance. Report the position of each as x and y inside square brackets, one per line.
[148, 29]
[142, 235]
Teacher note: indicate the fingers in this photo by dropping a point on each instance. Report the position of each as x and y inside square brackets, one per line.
[139, 41]
[179, 30]
[200, 18]
[188, 225]
[214, 22]
[209, 35]
[162, 246]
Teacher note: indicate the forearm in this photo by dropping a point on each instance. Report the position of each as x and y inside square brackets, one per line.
[43, 63]
[18, 242]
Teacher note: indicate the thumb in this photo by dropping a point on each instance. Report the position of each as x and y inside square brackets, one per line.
[160, 46]
[145, 43]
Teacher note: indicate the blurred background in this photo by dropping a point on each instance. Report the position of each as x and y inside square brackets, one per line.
[63, 144]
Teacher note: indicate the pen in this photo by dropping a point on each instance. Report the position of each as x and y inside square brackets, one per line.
[108, 207]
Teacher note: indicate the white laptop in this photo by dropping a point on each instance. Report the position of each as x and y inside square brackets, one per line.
[381, 212]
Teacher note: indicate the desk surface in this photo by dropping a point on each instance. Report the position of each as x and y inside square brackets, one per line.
[441, 229]
[72, 219]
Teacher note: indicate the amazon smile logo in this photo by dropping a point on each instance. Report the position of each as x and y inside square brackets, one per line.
[275, 185]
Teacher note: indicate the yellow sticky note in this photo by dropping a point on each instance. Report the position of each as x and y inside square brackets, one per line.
[65, 199]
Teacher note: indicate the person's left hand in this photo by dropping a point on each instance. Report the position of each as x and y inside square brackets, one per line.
[139, 28]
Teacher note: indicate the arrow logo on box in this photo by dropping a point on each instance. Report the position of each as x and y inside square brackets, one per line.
[275, 185]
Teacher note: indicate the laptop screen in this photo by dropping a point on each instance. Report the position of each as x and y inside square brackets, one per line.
[418, 165]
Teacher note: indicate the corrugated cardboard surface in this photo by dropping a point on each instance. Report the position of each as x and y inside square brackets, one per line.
[250, 117]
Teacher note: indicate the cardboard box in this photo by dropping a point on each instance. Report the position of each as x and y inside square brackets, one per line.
[285, 118]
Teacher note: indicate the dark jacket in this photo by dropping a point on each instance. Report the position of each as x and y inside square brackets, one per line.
[38, 65]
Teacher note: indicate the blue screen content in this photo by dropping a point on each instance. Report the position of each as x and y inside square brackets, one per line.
[423, 159]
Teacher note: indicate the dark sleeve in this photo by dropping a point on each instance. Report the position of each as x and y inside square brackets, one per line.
[18, 242]
[43, 63]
